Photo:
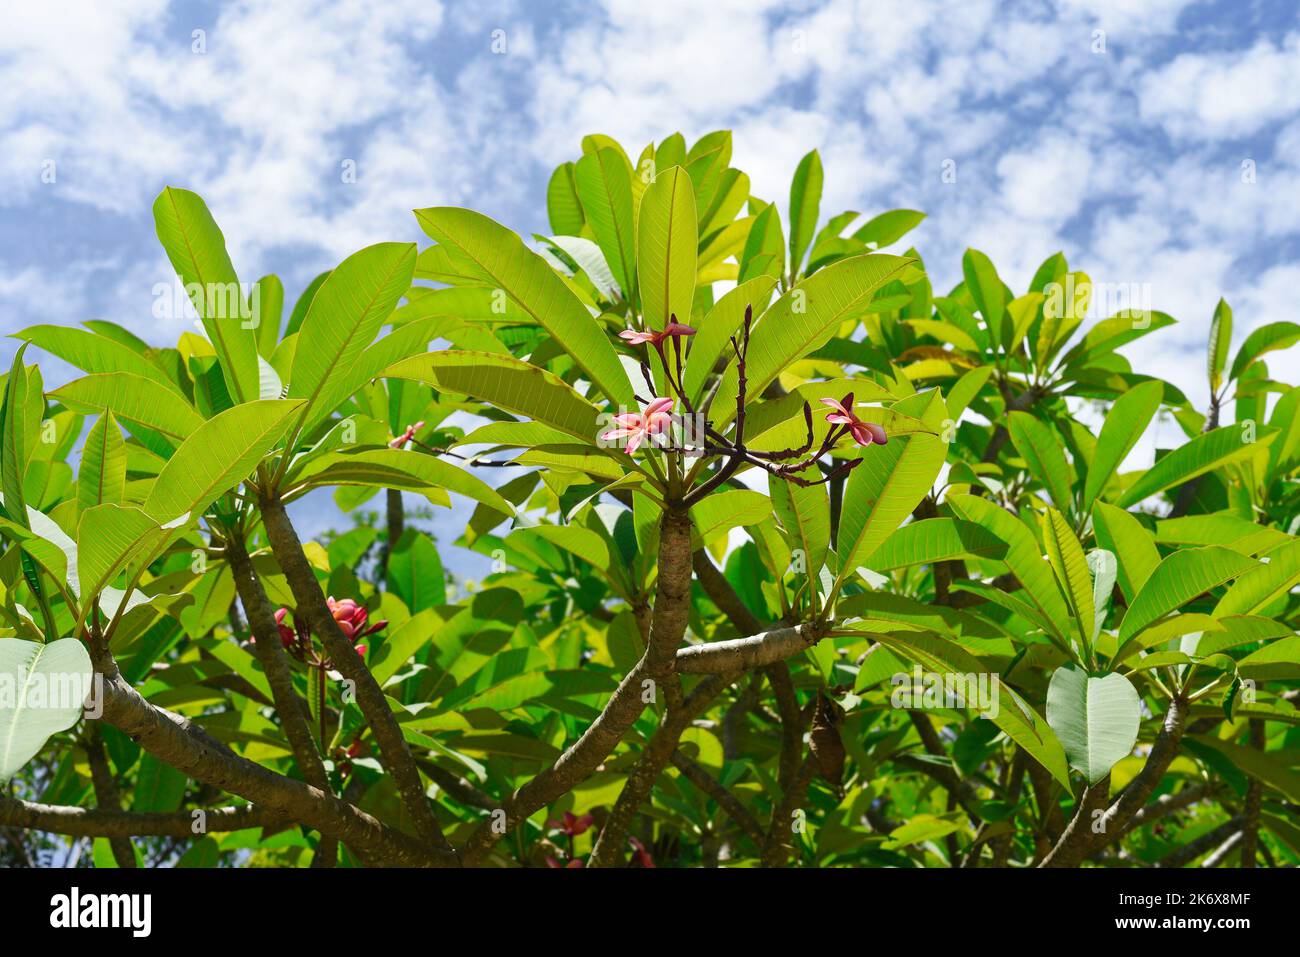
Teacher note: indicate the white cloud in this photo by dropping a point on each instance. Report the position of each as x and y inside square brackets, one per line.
[1227, 94]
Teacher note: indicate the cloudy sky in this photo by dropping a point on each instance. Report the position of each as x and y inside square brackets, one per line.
[1154, 142]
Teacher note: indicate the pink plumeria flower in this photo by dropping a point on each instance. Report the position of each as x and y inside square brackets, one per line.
[636, 427]
[656, 339]
[864, 433]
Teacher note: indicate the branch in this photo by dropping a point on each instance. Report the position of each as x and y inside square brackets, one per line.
[179, 742]
[370, 697]
[720, 795]
[1194, 849]
[742, 654]
[580, 760]
[83, 822]
[106, 793]
[275, 665]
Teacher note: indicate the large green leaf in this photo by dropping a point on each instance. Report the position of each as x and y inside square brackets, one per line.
[1180, 578]
[1012, 714]
[507, 383]
[48, 683]
[805, 514]
[397, 468]
[102, 474]
[667, 248]
[1135, 550]
[344, 318]
[1265, 339]
[1205, 452]
[218, 455]
[197, 251]
[802, 321]
[95, 353]
[936, 540]
[1096, 718]
[1124, 425]
[503, 260]
[1042, 451]
[415, 572]
[987, 290]
[712, 340]
[1263, 584]
[135, 400]
[882, 491]
[1071, 567]
[604, 185]
[1023, 558]
[805, 202]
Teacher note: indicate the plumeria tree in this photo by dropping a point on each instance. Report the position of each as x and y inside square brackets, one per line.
[794, 561]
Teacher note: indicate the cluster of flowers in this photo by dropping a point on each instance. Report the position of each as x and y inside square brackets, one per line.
[657, 417]
[352, 621]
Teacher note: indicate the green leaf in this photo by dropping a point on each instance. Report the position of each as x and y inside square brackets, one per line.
[48, 683]
[507, 383]
[1124, 425]
[503, 260]
[13, 441]
[1268, 767]
[217, 456]
[936, 540]
[1097, 719]
[667, 243]
[805, 203]
[805, 514]
[1038, 444]
[1220, 342]
[1210, 450]
[604, 185]
[803, 320]
[888, 228]
[135, 400]
[563, 207]
[1180, 578]
[415, 572]
[1134, 548]
[102, 474]
[882, 491]
[1264, 584]
[726, 510]
[270, 309]
[987, 290]
[397, 468]
[1071, 567]
[97, 354]
[712, 339]
[1265, 339]
[344, 318]
[197, 251]
[1013, 715]
[1023, 558]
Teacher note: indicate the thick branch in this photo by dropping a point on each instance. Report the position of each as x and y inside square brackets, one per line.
[742, 654]
[177, 741]
[106, 793]
[275, 665]
[83, 822]
[639, 687]
[370, 697]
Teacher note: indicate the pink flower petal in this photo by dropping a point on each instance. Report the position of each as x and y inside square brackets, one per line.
[658, 405]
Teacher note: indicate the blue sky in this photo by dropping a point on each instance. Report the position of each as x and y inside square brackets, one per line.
[1117, 131]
